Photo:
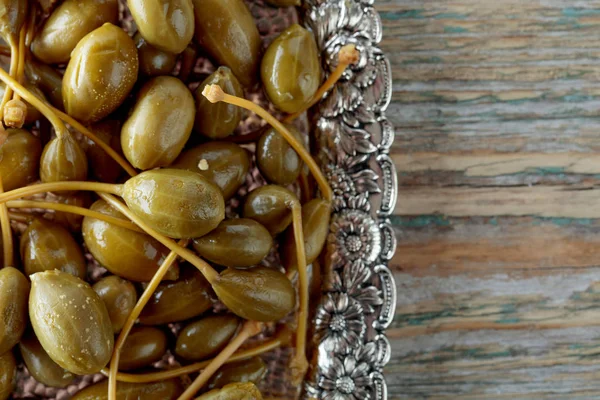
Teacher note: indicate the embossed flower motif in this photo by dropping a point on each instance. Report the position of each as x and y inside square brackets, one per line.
[354, 236]
[354, 279]
[328, 18]
[340, 181]
[348, 147]
[365, 86]
[346, 379]
[346, 184]
[340, 322]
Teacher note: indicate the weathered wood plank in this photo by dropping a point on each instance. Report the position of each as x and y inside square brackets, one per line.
[528, 246]
[527, 364]
[482, 312]
[534, 177]
[496, 106]
[542, 201]
[486, 163]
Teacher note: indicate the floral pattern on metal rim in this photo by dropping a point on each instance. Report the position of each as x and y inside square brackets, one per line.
[354, 139]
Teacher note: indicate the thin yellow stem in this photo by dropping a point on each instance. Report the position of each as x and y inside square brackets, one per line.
[348, 55]
[278, 341]
[60, 187]
[298, 363]
[214, 94]
[249, 329]
[14, 63]
[7, 241]
[135, 313]
[90, 135]
[15, 110]
[73, 210]
[56, 122]
[21, 63]
[209, 272]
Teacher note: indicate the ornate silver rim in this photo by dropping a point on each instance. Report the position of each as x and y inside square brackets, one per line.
[354, 138]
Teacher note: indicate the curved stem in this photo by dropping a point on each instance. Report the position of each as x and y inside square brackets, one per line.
[56, 122]
[73, 210]
[14, 61]
[21, 61]
[90, 135]
[249, 329]
[133, 316]
[209, 272]
[214, 94]
[15, 110]
[347, 55]
[7, 242]
[60, 187]
[298, 363]
[280, 340]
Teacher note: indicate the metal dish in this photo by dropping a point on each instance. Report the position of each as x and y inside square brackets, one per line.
[352, 138]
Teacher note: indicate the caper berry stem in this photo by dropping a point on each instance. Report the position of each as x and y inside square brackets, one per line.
[282, 338]
[60, 187]
[90, 135]
[249, 329]
[209, 272]
[11, 83]
[7, 242]
[15, 111]
[14, 61]
[73, 210]
[22, 53]
[214, 93]
[21, 61]
[347, 55]
[298, 363]
[133, 316]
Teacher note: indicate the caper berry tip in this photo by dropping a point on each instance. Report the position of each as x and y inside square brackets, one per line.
[15, 113]
[213, 93]
[348, 54]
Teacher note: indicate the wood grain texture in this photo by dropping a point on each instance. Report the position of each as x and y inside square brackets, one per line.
[496, 106]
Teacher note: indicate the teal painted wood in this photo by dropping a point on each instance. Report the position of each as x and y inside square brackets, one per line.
[496, 106]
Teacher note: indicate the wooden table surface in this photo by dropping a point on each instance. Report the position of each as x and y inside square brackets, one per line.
[496, 107]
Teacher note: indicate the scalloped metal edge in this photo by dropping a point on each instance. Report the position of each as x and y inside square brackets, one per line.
[356, 158]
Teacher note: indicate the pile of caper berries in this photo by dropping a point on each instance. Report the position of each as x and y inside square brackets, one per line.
[116, 152]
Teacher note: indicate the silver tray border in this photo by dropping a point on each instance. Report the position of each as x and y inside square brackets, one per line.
[353, 140]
